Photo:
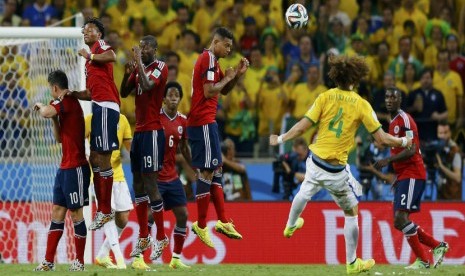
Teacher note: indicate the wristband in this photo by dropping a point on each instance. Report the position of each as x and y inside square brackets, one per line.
[280, 139]
[88, 56]
[404, 142]
[92, 57]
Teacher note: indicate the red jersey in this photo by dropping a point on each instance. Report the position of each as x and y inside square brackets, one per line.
[148, 104]
[412, 167]
[72, 129]
[175, 130]
[203, 110]
[99, 76]
[458, 65]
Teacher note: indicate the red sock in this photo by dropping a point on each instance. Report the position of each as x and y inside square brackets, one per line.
[417, 247]
[97, 186]
[157, 213]
[142, 203]
[80, 234]
[179, 238]
[426, 238]
[106, 180]
[202, 209]
[54, 236]
[218, 200]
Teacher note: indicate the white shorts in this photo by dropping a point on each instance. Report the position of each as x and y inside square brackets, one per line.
[342, 186]
[120, 197]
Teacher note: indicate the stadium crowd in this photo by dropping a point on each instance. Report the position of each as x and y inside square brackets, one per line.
[415, 45]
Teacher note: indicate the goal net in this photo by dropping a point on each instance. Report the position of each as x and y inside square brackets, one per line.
[29, 155]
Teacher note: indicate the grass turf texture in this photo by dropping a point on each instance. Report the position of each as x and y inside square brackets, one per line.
[235, 270]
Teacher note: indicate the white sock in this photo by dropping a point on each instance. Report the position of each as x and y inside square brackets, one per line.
[298, 205]
[105, 248]
[351, 238]
[112, 240]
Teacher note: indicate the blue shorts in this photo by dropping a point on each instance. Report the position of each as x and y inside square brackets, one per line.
[104, 129]
[205, 146]
[407, 194]
[147, 151]
[172, 193]
[71, 189]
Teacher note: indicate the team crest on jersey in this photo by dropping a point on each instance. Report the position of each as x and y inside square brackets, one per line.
[215, 162]
[55, 102]
[156, 73]
[180, 129]
[396, 130]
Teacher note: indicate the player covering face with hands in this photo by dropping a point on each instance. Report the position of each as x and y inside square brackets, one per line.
[339, 112]
[208, 81]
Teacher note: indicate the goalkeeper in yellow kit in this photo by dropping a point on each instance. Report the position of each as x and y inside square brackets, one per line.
[339, 112]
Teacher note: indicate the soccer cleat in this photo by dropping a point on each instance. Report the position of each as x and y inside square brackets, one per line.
[141, 245]
[289, 231]
[360, 266]
[120, 264]
[139, 263]
[100, 219]
[177, 264]
[45, 266]
[105, 262]
[76, 266]
[418, 264]
[203, 234]
[439, 252]
[158, 247]
[228, 230]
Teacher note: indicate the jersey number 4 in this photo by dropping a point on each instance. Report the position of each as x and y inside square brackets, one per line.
[337, 120]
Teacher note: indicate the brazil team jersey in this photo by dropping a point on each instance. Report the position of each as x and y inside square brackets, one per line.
[339, 113]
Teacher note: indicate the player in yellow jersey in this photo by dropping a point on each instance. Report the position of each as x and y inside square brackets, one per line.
[121, 200]
[339, 112]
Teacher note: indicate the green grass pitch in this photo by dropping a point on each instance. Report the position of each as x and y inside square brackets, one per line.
[238, 270]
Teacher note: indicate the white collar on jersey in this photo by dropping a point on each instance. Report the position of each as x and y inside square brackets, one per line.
[145, 67]
[166, 114]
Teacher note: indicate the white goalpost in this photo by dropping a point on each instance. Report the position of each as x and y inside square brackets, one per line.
[29, 155]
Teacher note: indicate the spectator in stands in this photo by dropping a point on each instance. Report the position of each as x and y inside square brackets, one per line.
[409, 81]
[337, 37]
[236, 182]
[206, 18]
[457, 61]
[255, 74]
[379, 65]
[306, 57]
[188, 51]
[232, 19]
[120, 14]
[320, 37]
[107, 22]
[435, 32]
[250, 38]
[9, 14]
[290, 46]
[38, 14]
[451, 87]
[385, 32]
[405, 56]
[170, 38]
[449, 163]
[160, 16]
[427, 107]
[173, 60]
[408, 11]
[137, 27]
[334, 12]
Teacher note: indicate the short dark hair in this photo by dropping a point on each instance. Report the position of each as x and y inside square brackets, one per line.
[300, 141]
[443, 123]
[98, 24]
[224, 33]
[394, 89]
[58, 78]
[193, 34]
[173, 84]
[172, 54]
[427, 70]
[150, 40]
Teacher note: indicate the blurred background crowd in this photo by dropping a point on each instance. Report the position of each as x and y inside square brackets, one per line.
[415, 45]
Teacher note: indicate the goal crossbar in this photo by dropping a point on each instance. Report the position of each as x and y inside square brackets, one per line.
[40, 32]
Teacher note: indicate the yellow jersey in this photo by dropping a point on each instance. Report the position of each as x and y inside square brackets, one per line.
[339, 114]
[451, 87]
[124, 133]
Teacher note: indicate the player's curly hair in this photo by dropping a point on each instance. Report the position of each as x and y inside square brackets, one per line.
[96, 21]
[346, 71]
[173, 84]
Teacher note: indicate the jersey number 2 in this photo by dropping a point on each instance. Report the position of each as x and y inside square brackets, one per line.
[336, 120]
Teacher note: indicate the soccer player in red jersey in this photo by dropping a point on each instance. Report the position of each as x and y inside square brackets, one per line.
[208, 81]
[70, 191]
[147, 76]
[410, 183]
[102, 91]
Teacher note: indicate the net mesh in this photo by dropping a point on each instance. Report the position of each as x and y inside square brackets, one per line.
[29, 154]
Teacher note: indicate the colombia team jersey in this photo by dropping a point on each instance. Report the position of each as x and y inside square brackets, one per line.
[339, 114]
[71, 120]
[412, 167]
[148, 103]
[206, 70]
[99, 76]
[124, 133]
[175, 130]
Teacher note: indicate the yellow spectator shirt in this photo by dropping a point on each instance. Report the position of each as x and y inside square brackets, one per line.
[303, 98]
[339, 114]
[187, 62]
[451, 87]
[124, 133]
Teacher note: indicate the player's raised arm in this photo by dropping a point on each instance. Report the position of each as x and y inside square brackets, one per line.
[146, 83]
[297, 130]
[128, 84]
[212, 89]
[240, 70]
[46, 111]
